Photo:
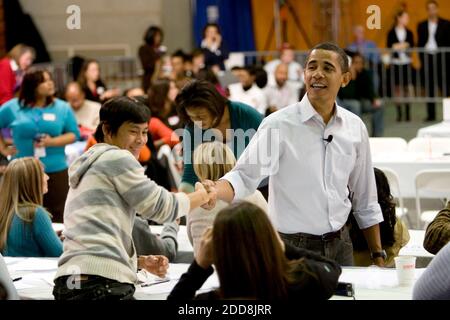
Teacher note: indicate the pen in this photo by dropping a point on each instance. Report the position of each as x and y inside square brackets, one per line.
[151, 284]
[17, 279]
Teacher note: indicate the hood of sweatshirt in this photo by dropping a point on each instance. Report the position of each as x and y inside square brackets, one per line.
[82, 164]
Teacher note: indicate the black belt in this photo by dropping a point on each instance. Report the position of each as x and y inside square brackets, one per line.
[324, 237]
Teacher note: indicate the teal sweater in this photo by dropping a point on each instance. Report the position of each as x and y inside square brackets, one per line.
[36, 239]
[242, 117]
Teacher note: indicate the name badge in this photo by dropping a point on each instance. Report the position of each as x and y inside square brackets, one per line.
[49, 116]
[39, 152]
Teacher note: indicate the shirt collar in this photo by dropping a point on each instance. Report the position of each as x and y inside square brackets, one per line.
[307, 111]
[14, 65]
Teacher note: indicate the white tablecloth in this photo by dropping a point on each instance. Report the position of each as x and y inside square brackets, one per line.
[440, 130]
[369, 283]
[406, 165]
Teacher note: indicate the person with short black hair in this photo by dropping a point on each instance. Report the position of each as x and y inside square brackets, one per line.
[107, 188]
[317, 156]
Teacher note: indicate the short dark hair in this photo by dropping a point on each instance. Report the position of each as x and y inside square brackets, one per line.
[211, 24]
[31, 80]
[432, 2]
[200, 93]
[117, 111]
[149, 36]
[180, 54]
[330, 46]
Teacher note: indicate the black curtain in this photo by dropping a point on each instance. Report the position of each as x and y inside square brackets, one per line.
[20, 28]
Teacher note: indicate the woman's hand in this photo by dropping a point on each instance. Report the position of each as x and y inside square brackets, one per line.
[204, 257]
[155, 264]
[212, 193]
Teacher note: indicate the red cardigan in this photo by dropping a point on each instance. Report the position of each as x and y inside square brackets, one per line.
[7, 80]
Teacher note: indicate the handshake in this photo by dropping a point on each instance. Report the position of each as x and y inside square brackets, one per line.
[208, 192]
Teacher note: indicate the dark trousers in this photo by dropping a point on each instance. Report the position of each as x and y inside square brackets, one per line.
[55, 199]
[432, 77]
[92, 288]
[338, 249]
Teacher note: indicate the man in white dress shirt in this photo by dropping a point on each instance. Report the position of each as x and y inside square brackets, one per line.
[246, 91]
[318, 158]
[282, 93]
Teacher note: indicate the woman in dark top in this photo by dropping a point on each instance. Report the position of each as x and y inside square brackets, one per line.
[215, 117]
[161, 100]
[214, 49]
[91, 83]
[252, 262]
[150, 55]
[400, 38]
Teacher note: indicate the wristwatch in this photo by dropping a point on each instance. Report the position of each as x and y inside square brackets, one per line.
[378, 254]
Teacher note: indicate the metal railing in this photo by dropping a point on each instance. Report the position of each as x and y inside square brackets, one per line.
[407, 83]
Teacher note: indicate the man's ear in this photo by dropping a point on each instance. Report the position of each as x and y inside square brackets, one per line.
[106, 131]
[346, 77]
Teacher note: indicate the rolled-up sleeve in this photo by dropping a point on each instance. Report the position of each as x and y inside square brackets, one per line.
[362, 184]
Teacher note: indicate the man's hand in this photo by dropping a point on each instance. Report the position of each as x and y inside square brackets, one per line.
[157, 264]
[212, 193]
[204, 257]
[379, 262]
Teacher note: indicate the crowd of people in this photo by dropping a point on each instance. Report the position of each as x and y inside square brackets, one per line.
[279, 161]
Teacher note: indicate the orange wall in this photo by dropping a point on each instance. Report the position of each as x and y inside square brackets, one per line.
[352, 12]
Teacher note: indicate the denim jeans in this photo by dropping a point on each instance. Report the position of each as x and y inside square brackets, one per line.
[338, 249]
[94, 288]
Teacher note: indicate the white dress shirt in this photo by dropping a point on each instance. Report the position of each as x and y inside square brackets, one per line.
[431, 44]
[309, 176]
[254, 96]
[281, 97]
[295, 72]
[89, 114]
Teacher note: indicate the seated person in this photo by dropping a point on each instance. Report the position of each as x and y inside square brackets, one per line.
[7, 289]
[86, 112]
[359, 95]
[107, 188]
[146, 242]
[25, 226]
[252, 262]
[394, 234]
[434, 284]
[93, 86]
[438, 231]
[246, 91]
[282, 93]
[211, 161]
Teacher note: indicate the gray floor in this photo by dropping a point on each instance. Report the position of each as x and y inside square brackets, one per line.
[408, 130]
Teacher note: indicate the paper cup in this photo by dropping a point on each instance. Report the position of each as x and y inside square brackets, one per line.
[405, 266]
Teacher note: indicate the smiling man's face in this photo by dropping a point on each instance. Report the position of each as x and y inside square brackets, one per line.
[324, 76]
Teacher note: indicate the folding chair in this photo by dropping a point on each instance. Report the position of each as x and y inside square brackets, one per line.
[431, 183]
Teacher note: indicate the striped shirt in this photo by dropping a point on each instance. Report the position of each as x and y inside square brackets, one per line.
[107, 188]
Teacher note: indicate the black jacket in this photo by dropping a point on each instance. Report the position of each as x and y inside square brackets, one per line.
[321, 286]
[442, 33]
[392, 38]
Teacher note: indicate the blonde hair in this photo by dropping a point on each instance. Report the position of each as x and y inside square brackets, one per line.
[18, 50]
[212, 160]
[21, 193]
